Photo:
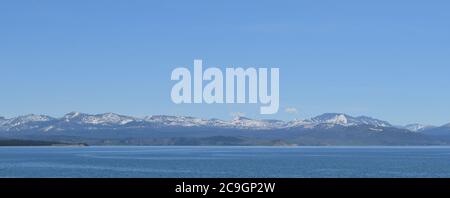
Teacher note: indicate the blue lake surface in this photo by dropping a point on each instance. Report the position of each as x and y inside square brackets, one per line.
[260, 162]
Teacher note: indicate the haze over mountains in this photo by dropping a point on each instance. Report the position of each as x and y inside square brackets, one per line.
[326, 129]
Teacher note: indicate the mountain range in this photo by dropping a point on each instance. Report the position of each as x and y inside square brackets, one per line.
[325, 129]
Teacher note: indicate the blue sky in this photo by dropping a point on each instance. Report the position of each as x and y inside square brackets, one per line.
[385, 59]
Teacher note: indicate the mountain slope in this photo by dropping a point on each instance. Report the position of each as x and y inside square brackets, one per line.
[346, 120]
[443, 131]
[418, 127]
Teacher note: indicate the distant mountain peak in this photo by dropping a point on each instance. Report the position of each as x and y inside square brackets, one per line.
[34, 118]
[102, 119]
[247, 123]
[109, 118]
[20, 121]
[76, 117]
[418, 127]
[346, 120]
[332, 118]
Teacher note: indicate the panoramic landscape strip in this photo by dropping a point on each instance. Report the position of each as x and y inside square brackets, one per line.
[330, 129]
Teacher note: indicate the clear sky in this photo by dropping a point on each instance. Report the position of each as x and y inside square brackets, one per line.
[386, 59]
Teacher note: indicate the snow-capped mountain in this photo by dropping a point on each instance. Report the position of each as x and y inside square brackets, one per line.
[346, 120]
[247, 123]
[237, 122]
[100, 119]
[25, 122]
[371, 121]
[29, 118]
[333, 118]
[182, 121]
[418, 127]
[111, 128]
[82, 121]
[301, 124]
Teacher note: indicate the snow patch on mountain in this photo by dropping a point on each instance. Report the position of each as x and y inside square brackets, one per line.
[372, 121]
[300, 124]
[108, 118]
[184, 121]
[376, 129]
[418, 127]
[346, 120]
[332, 118]
[247, 123]
[21, 120]
[100, 119]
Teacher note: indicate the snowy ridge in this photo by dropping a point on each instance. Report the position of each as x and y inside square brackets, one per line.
[247, 123]
[184, 121]
[77, 120]
[101, 119]
[418, 127]
[21, 120]
[346, 120]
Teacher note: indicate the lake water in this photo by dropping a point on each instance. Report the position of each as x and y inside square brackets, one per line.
[179, 162]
